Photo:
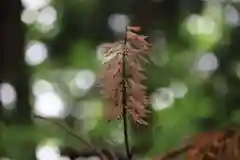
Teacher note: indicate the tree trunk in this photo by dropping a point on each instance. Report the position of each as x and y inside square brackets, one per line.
[14, 69]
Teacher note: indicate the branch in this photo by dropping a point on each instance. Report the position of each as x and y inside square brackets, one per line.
[174, 153]
[74, 154]
[71, 133]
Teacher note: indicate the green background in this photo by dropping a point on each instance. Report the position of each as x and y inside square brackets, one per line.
[193, 76]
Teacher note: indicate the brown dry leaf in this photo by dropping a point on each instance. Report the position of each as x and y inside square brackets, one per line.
[215, 145]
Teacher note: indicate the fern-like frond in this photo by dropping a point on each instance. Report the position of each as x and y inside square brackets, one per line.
[134, 49]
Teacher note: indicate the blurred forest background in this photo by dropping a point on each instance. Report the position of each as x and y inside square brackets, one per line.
[51, 52]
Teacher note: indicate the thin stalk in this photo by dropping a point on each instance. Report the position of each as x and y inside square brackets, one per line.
[124, 100]
[71, 133]
[175, 153]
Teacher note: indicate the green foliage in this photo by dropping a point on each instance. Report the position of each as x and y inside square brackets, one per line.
[82, 25]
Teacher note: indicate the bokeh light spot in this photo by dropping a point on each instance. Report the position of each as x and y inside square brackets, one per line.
[82, 82]
[231, 15]
[48, 150]
[8, 95]
[41, 86]
[201, 25]
[208, 62]
[47, 16]
[179, 89]
[36, 53]
[29, 16]
[162, 98]
[85, 79]
[35, 4]
[118, 22]
[49, 104]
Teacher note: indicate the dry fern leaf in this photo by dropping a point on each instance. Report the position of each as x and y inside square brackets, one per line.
[122, 72]
[216, 146]
[213, 145]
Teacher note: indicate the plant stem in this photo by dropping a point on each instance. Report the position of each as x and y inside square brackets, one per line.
[126, 133]
[175, 153]
[70, 132]
[124, 100]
